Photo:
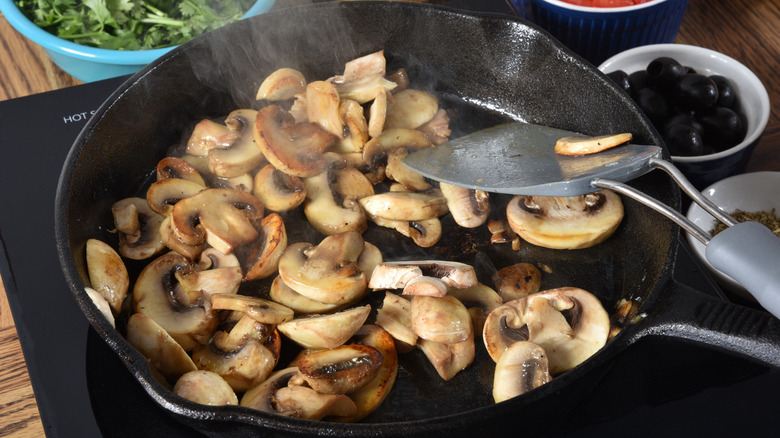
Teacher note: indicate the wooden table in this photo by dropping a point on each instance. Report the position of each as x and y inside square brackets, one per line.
[747, 30]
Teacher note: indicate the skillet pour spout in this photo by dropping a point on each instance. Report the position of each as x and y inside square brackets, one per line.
[486, 69]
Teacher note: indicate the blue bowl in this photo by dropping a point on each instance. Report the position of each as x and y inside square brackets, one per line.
[598, 33]
[89, 64]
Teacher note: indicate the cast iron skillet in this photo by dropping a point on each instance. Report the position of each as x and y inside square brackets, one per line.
[486, 69]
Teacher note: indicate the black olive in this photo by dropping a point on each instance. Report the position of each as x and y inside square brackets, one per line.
[697, 91]
[683, 140]
[621, 79]
[726, 94]
[723, 128]
[684, 118]
[638, 80]
[653, 104]
[664, 71]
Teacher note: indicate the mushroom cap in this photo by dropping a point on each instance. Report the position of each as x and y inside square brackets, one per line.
[282, 84]
[565, 222]
[517, 281]
[277, 190]
[405, 206]
[158, 347]
[206, 388]
[411, 108]
[441, 319]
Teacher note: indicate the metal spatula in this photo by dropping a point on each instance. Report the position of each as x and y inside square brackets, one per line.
[519, 158]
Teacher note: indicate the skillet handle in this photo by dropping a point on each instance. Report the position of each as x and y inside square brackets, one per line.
[685, 313]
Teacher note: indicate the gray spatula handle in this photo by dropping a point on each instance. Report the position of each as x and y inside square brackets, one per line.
[750, 254]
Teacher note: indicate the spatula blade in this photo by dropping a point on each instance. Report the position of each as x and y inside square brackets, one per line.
[519, 158]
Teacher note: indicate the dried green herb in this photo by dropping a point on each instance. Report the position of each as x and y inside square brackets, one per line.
[768, 218]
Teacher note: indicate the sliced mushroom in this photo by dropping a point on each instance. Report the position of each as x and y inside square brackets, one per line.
[398, 172]
[375, 150]
[566, 222]
[441, 319]
[158, 347]
[283, 294]
[373, 393]
[583, 145]
[369, 259]
[293, 148]
[264, 311]
[395, 316]
[212, 259]
[569, 323]
[221, 217]
[480, 300]
[243, 155]
[107, 273]
[282, 84]
[448, 359]
[340, 370]
[377, 114]
[520, 368]
[517, 281]
[138, 228]
[206, 388]
[322, 107]
[355, 125]
[363, 77]
[239, 356]
[425, 286]
[172, 167]
[208, 135]
[189, 320]
[261, 256]
[102, 305]
[331, 205]
[327, 272]
[199, 284]
[438, 128]
[395, 274]
[405, 206]
[424, 233]
[469, 207]
[411, 108]
[163, 194]
[172, 241]
[325, 331]
[262, 396]
[277, 190]
[306, 403]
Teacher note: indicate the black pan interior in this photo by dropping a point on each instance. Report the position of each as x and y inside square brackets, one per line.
[486, 69]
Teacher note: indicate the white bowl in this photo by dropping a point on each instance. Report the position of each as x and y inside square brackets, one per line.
[753, 100]
[758, 191]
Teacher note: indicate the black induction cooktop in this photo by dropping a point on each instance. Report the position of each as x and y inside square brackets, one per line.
[658, 387]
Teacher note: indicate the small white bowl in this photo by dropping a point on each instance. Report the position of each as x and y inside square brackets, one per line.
[756, 191]
[753, 101]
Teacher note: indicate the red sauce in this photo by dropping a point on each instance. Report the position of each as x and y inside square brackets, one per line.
[606, 3]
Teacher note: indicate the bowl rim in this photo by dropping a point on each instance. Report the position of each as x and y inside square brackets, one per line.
[745, 73]
[573, 7]
[50, 42]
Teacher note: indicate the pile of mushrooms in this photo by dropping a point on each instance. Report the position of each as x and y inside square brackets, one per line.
[212, 226]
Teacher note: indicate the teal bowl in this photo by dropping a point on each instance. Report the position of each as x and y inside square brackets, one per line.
[89, 64]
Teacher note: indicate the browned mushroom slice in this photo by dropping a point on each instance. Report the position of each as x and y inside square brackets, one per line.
[470, 208]
[375, 151]
[441, 319]
[208, 135]
[363, 77]
[322, 107]
[243, 155]
[438, 128]
[583, 145]
[283, 294]
[306, 403]
[480, 300]
[158, 347]
[566, 222]
[340, 370]
[425, 233]
[372, 394]
[265, 311]
[520, 368]
[239, 356]
[398, 172]
[325, 331]
[356, 126]
[163, 194]
[138, 227]
[328, 272]
[405, 206]
[199, 284]
[411, 108]
[210, 258]
[172, 167]
[517, 281]
[262, 396]
[172, 241]
[277, 190]
[282, 84]
[206, 388]
[395, 274]
[261, 256]
[107, 273]
[369, 259]
[331, 205]
[293, 148]
[395, 316]
[221, 217]
[448, 359]
[569, 323]
[155, 295]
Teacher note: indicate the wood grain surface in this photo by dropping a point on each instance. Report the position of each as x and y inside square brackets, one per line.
[747, 30]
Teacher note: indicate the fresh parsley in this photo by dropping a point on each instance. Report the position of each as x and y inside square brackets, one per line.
[132, 24]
